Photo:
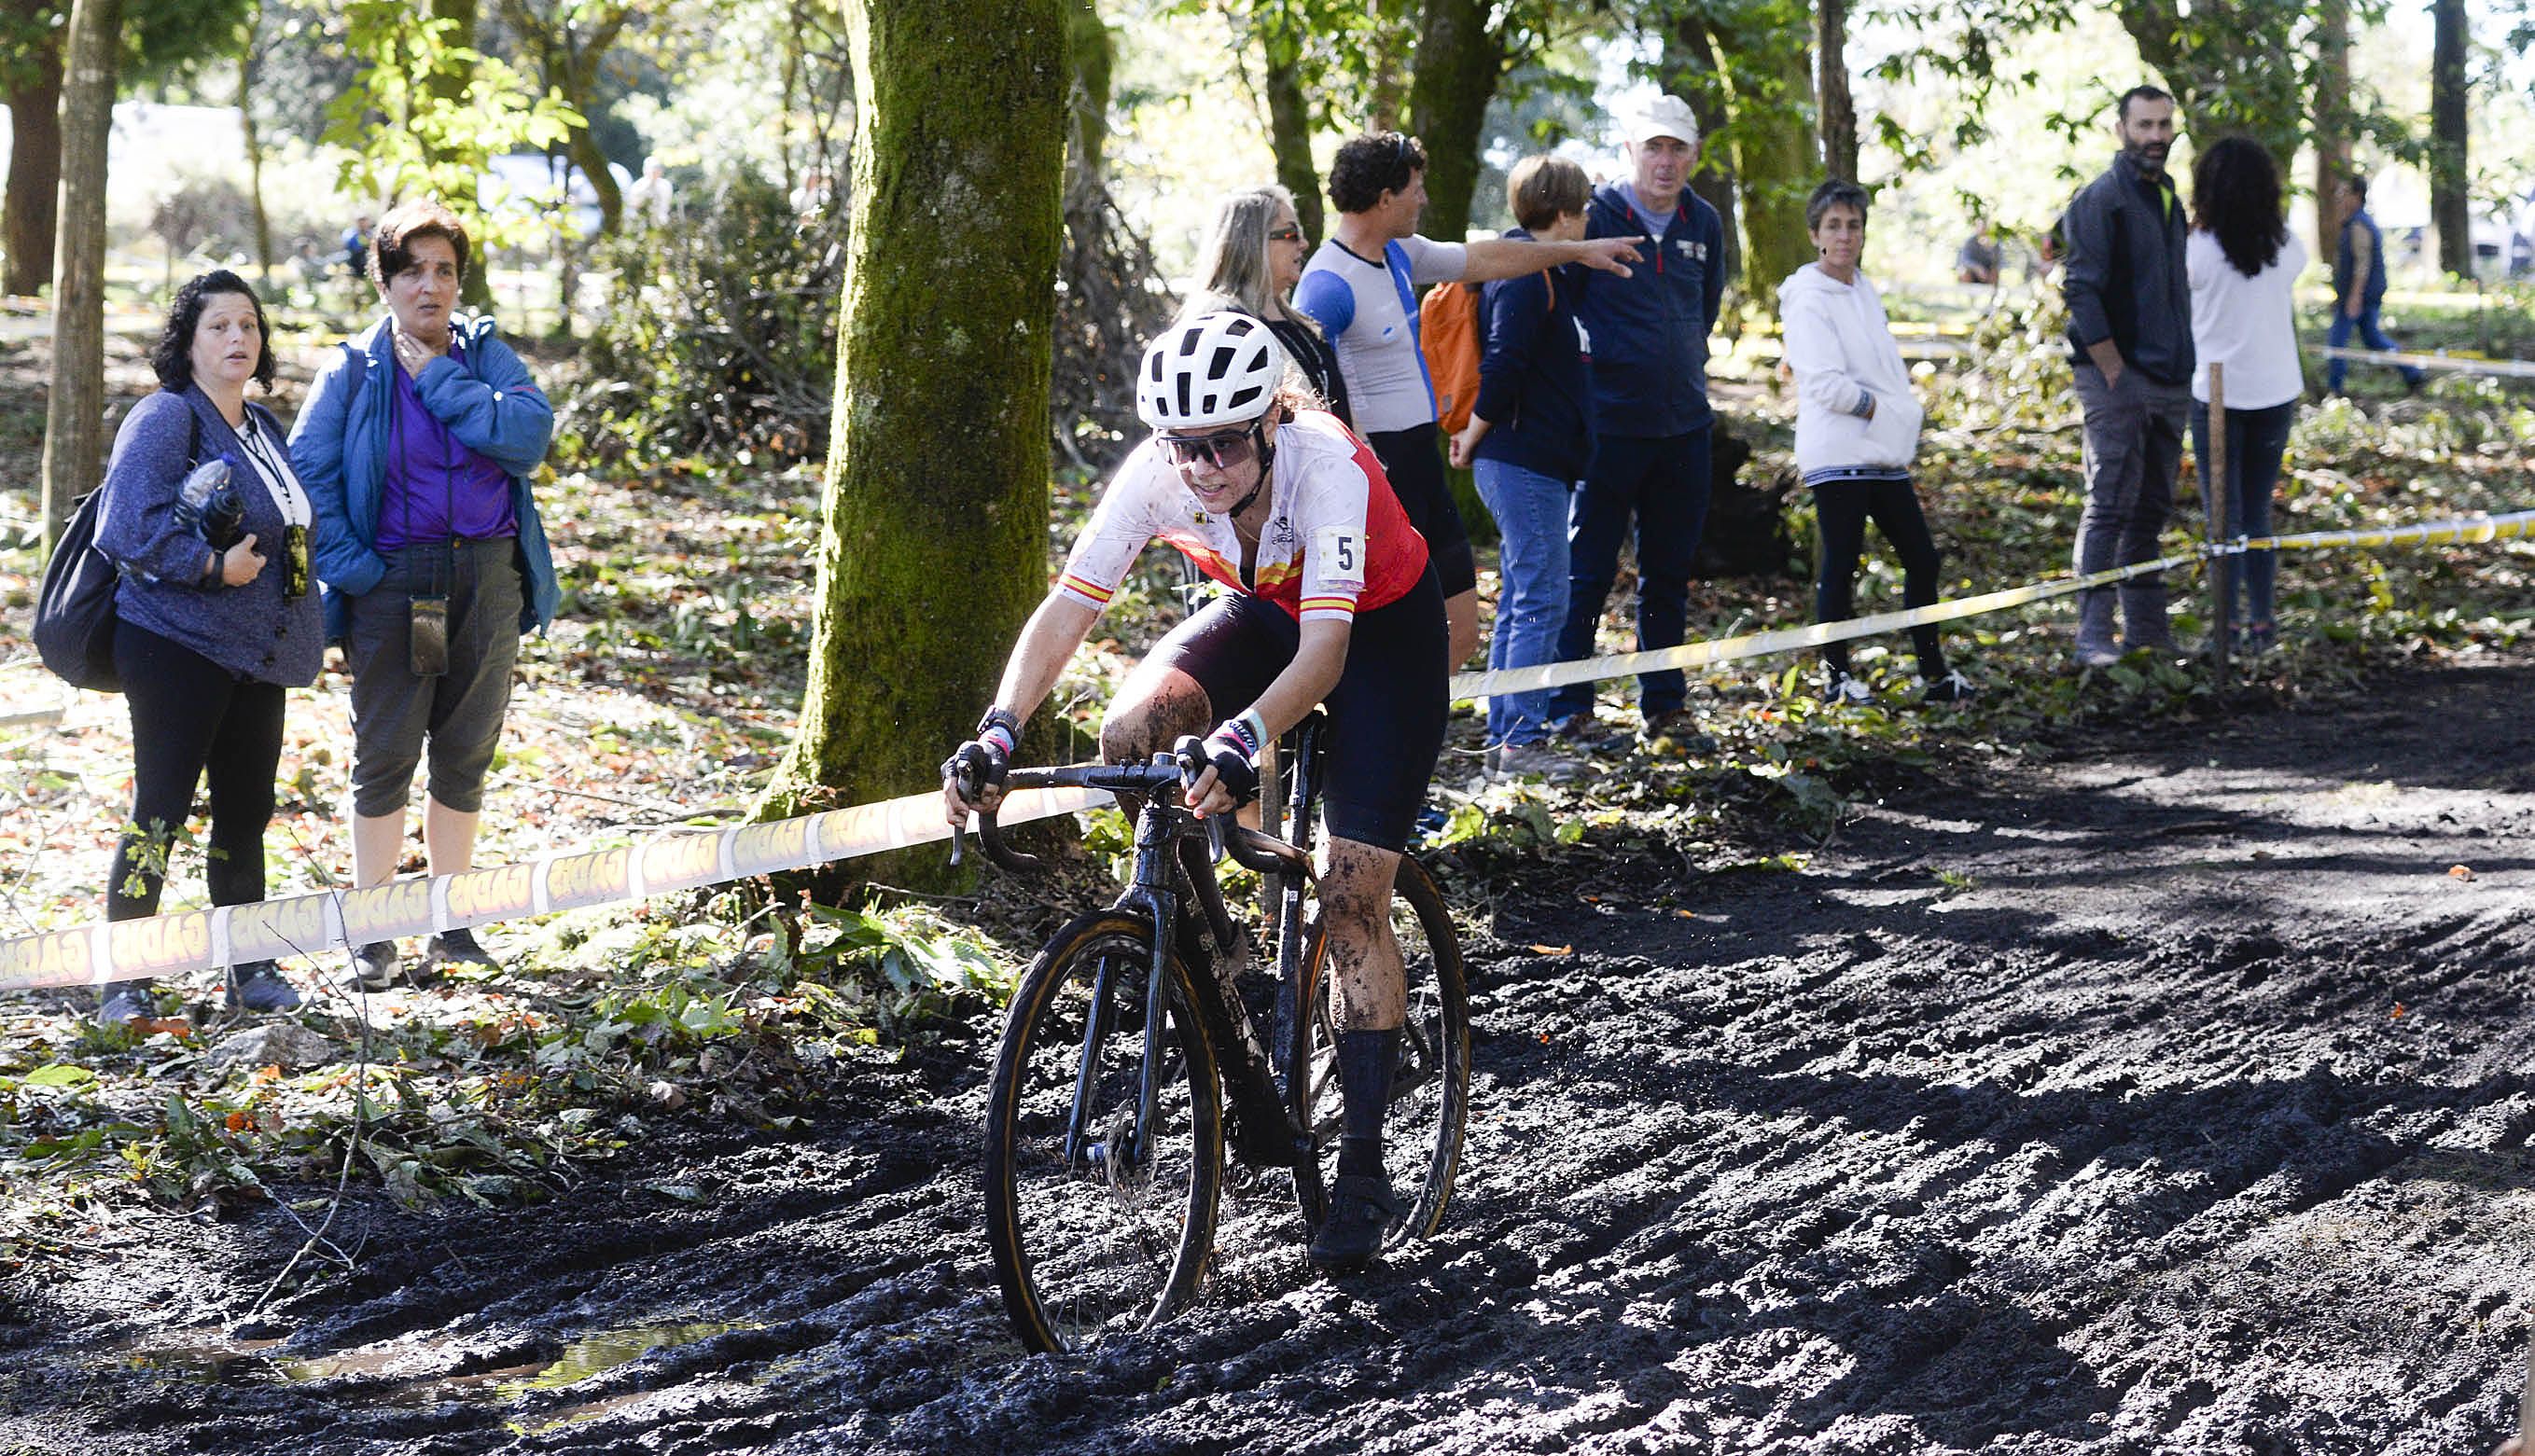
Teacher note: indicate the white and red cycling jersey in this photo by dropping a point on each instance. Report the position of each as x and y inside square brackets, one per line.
[1336, 540]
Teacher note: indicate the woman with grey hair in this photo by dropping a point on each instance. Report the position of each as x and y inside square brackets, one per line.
[1857, 429]
[1250, 263]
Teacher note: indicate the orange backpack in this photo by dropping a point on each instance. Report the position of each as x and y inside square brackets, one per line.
[1447, 333]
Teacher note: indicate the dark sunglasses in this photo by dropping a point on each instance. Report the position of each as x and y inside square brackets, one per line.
[1289, 233]
[1226, 451]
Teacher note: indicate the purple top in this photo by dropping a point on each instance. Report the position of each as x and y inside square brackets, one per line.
[436, 488]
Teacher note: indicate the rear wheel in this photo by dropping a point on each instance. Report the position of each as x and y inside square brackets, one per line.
[1100, 1222]
[1429, 1087]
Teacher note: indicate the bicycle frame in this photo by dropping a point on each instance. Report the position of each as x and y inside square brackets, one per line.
[1273, 1134]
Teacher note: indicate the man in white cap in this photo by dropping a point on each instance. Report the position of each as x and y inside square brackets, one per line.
[1647, 334]
[1360, 288]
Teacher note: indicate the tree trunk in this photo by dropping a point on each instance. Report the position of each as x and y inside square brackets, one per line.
[1769, 82]
[1096, 59]
[247, 56]
[1831, 84]
[75, 405]
[2450, 199]
[1289, 116]
[476, 290]
[933, 542]
[1691, 73]
[1386, 60]
[1457, 66]
[34, 166]
[2331, 120]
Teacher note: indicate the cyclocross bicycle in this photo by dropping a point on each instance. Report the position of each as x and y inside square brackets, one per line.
[1105, 1127]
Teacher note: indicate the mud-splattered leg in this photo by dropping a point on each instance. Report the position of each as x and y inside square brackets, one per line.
[1157, 704]
[1368, 1003]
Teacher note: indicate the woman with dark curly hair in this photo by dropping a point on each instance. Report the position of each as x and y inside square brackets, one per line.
[216, 615]
[2244, 262]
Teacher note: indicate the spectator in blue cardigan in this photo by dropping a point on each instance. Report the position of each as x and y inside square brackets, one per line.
[418, 441]
[1528, 440]
[215, 623]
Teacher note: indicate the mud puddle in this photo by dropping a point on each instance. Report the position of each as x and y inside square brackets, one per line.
[2171, 1098]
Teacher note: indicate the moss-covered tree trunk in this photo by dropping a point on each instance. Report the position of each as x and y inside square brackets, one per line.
[933, 535]
[476, 290]
[1691, 72]
[1831, 86]
[75, 407]
[1769, 76]
[248, 56]
[1458, 63]
[1289, 113]
[2450, 181]
[2331, 120]
[34, 154]
[1390, 37]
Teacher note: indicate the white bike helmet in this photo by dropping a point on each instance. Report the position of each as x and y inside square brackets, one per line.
[1216, 369]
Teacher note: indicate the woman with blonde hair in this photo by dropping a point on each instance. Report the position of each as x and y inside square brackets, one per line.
[1251, 260]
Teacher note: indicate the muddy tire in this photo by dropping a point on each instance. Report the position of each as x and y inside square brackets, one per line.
[1088, 1246]
[1430, 1092]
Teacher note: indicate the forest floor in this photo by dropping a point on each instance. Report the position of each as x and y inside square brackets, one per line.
[2105, 1068]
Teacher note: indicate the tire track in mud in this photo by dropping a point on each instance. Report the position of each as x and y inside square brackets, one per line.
[2112, 1141]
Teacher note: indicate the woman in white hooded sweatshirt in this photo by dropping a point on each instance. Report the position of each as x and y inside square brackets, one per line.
[1857, 429]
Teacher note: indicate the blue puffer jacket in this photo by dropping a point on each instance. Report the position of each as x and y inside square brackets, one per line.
[253, 631]
[481, 391]
[1648, 333]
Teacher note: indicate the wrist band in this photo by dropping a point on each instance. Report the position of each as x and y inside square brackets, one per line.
[1002, 728]
[1249, 730]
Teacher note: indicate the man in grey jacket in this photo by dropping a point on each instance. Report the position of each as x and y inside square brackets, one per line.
[2129, 326]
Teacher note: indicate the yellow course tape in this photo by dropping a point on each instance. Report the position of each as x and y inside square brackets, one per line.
[664, 862]
[691, 859]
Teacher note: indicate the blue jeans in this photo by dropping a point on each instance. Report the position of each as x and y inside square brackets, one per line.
[1659, 485]
[2372, 334]
[2256, 441]
[1531, 564]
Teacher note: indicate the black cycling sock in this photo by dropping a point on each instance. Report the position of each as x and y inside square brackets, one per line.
[1365, 1062]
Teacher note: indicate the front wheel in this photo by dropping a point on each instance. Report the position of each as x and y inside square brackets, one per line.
[1101, 1222]
[1429, 1087]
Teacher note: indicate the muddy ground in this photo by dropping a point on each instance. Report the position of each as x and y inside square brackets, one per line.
[2169, 1097]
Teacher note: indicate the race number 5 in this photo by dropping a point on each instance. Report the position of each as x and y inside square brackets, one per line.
[1341, 552]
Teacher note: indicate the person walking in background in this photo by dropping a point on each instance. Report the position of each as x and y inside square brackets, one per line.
[1648, 336]
[2359, 287]
[1527, 441]
[215, 619]
[648, 200]
[2244, 265]
[1360, 288]
[1250, 261]
[2130, 327]
[416, 440]
[1857, 430]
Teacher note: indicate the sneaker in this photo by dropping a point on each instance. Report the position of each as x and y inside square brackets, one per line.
[1954, 687]
[2261, 638]
[376, 967]
[1533, 760]
[1580, 732]
[1680, 726]
[457, 947]
[1847, 691]
[2097, 654]
[1361, 1208]
[257, 986]
[123, 1003]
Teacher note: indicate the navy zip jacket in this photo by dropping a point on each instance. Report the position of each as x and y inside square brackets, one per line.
[1531, 375]
[251, 630]
[2126, 279]
[2345, 260]
[1648, 333]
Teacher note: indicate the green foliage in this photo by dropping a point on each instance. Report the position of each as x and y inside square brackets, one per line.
[428, 112]
[894, 969]
[719, 338]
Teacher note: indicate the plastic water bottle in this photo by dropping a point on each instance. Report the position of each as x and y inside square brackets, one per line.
[208, 505]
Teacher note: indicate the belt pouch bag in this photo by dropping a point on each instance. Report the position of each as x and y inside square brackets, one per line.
[427, 608]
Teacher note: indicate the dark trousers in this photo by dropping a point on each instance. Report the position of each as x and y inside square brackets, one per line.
[191, 717]
[1659, 485]
[1841, 510]
[2256, 441]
